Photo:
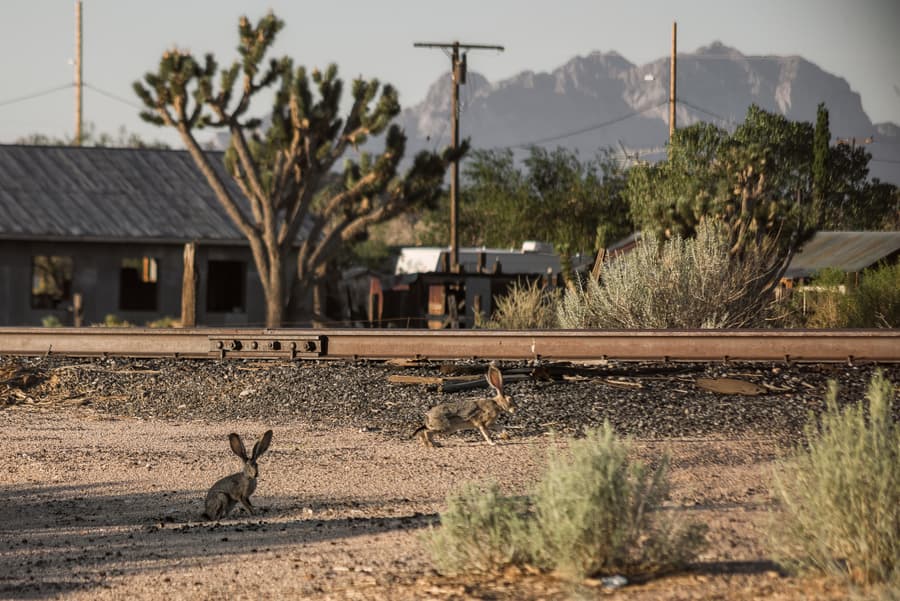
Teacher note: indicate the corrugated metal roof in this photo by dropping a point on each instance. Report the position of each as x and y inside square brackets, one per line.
[110, 194]
[847, 251]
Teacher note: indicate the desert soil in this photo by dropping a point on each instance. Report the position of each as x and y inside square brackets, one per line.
[100, 503]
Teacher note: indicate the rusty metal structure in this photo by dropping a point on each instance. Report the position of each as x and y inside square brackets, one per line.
[809, 346]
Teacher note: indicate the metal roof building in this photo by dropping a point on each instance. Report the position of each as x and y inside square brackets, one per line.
[848, 251]
[107, 194]
[110, 226]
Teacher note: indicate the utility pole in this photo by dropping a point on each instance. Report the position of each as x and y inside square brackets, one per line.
[458, 71]
[672, 84]
[78, 86]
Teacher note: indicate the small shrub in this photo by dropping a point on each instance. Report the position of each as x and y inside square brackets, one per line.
[841, 494]
[51, 321]
[480, 530]
[593, 512]
[597, 512]
[114, 321]
[525, 306]
[164, 322]
[877, 300]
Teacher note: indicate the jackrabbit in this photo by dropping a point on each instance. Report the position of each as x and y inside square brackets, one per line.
[223, 495]
[479, 414]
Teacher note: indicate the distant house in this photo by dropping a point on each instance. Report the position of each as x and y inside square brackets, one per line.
[423, 292]
[111, 225]
[851, 252]
[533, 257]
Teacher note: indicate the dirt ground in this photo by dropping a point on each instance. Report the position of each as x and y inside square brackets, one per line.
[101, 507]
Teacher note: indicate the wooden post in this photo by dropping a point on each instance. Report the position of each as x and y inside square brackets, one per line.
[458, 74]
[598, 264]
[189, 287]
[77, 309]
[79, 135]
[672, 84]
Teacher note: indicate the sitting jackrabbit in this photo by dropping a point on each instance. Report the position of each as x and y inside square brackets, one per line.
[480, 414]
[223, 495]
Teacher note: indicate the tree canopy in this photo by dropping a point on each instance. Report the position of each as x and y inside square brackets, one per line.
[770, 176]
[552, 196]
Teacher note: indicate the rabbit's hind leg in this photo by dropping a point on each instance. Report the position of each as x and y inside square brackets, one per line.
[427, 437]
[217, 506]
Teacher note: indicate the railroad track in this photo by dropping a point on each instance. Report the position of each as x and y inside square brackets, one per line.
[807, 346]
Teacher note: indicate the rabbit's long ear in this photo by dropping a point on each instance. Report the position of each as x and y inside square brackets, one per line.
[495, 378]
[262, 444]
[237, 445]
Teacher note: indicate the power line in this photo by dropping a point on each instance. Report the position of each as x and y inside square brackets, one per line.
[585, 129]
[710, 113]
[113, 96]
[35, 95]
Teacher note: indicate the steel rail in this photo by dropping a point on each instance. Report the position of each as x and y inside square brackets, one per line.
[813, 346]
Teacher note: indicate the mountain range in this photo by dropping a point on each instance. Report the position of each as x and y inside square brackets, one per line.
[604, 101]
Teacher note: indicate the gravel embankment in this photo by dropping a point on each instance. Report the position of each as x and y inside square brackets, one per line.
[654, 401]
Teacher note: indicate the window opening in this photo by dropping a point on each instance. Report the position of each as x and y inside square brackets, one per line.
[138, 283]
[225, 287]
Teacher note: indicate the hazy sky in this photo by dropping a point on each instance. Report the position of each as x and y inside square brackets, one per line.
[858, 40]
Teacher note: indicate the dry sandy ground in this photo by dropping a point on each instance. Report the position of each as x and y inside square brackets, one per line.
[96, 507]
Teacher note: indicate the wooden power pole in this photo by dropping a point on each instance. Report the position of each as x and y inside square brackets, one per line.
[458, 73]
[78, 87]
[672, 83]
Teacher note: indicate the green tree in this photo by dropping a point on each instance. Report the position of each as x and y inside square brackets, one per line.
[771, 181]
[284, 172]
[552, 196]
[821, 143]
[771, 176]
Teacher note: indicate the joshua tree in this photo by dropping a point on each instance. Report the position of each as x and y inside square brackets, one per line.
[285, 172]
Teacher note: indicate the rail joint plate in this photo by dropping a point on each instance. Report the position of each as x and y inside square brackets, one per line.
[266, 347]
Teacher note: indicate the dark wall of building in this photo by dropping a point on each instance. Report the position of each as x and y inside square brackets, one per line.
[228, 287]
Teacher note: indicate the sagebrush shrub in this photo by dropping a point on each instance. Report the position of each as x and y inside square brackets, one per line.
[597, 512]
[840, 496]
[480, 530]
[593, 512]
[677, 283]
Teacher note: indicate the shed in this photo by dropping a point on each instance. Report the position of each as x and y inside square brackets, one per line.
[111, 224]
[851, 252]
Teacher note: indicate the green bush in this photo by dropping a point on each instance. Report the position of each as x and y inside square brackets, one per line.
[840, 495]
[480, 530]
[525, 306]
[876, 303]
[676, 283]
[164, 322]
[114, 321]
[594, 512]
[597, 512]
[51, 321]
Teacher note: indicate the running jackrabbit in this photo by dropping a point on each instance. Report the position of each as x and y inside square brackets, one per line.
[223, 495]
[479, 414]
